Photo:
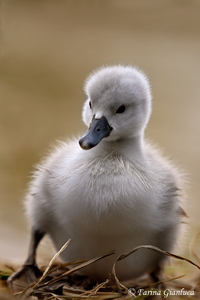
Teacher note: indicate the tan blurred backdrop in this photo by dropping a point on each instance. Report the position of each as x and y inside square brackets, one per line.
[47, 50]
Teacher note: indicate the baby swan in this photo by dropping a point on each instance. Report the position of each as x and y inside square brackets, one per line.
[118, 194]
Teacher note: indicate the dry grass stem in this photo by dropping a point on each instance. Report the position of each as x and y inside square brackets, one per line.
[81, 266]
[57, 282]
[51, 263]
[158, 250]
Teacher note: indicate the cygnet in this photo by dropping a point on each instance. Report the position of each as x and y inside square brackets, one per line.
[109, 190]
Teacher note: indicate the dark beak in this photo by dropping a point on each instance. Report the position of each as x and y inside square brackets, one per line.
[99, 129]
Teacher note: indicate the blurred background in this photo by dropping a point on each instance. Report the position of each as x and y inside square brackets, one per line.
[48, 48]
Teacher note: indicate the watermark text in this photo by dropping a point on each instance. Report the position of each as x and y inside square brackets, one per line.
[165, 293]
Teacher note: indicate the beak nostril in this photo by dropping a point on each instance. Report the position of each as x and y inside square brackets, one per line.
[99, 129]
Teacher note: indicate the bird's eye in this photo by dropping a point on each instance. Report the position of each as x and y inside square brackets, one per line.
[90, 104]
[121, 109]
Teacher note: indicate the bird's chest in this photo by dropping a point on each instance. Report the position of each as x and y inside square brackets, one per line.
[109, 190]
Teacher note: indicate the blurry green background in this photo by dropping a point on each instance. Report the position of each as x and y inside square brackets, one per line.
[48, 48]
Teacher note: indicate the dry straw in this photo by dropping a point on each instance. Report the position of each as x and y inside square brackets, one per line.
[58, 282]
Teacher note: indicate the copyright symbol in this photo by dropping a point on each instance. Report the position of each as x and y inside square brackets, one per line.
[132, 292]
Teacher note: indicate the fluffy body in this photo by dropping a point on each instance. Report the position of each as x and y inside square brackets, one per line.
[118, 195]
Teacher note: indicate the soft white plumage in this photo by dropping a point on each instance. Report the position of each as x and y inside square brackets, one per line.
[118, 194]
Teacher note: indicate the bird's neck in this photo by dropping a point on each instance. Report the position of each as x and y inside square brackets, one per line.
[131, 148]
